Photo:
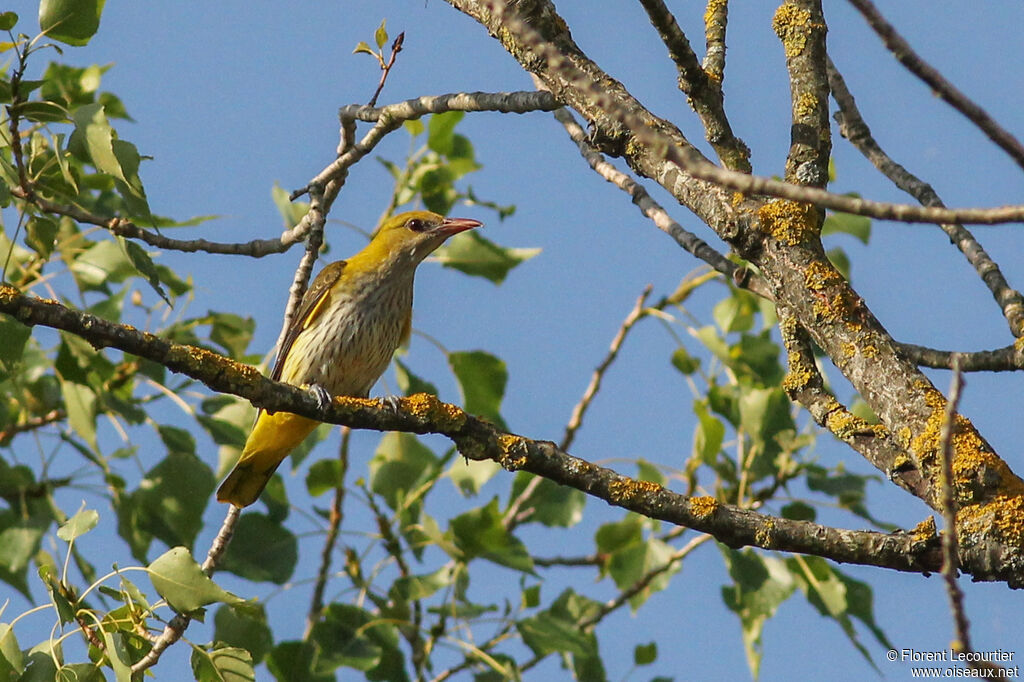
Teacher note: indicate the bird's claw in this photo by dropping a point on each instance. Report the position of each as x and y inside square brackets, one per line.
[393, 401]
[322, 396]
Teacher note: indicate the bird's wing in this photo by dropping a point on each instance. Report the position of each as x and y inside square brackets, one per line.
[313, 304]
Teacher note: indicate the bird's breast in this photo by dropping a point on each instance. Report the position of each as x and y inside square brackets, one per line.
[350, 344]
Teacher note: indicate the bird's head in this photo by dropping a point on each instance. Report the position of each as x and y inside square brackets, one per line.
[404, 240]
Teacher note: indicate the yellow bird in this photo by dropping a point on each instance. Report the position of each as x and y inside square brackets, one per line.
[341, 339]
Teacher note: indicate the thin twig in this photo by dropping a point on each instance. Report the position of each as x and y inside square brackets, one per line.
[513, 517]
[853, 127]
[1006, 359]
[256, 248]
[396, 47]
[177, 625]
[333, 528]
[950, 550]
[945, 90]
[623, 597]
[576, 420]
[693, 244]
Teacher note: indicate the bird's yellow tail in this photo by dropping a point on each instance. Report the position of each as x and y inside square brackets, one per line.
[273, 437]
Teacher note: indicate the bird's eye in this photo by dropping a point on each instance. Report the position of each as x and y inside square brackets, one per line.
[416, 225]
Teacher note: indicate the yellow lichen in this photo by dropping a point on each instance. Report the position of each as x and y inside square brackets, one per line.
[973, 461]
[625, 490]
[514, 451]
[445, 416]
[924, 531]
[791, 24]
[765, 535]
[703, 507]
[796, 380]
[848, 349]
[845, 425]
[714, 7]
[805, 106]
[789, 222]
[820, 274]
[1001, 519]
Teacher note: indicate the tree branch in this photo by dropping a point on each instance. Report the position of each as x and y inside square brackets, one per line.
[945, 90]
[478, 439]
[703, 92]
[853, 127]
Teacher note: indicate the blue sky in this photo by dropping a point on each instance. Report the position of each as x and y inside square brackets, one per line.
[231, 97]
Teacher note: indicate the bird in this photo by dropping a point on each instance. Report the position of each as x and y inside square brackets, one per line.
[341, 338]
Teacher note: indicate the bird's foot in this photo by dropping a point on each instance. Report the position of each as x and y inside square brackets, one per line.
[322, 396]
[394, 402]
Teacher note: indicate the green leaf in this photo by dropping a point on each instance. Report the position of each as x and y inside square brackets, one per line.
[178, 578]
[840, 260]
[551, 504]
[78, 525]
[144, 265]
[12, 662]
[482, 378]
[409, 383]
[324, 475]
[172, 497]
[70, 21]
[760, 585]
[557, 630]
[708, 435]
[93, 130]
[80, 403]
[361, 46]
[15, 335]
[222, 665]
[40, 234]
[417, 587]
[232, 332]
[469, 476]
[19, 541]
[441, 131]
[764, 413]
[401, 464]
[346, 636]
[798, 511]
[856, 225]
[481, 533]
[735, 313]
[615, 535]
[244, 626]
[477, 256]
[380, 36]
[826, 591]
[8, 20]
[635, 561]
[103, 262]
[261, 550]
[223, 432]
[547, 633]
[645, 654]
[177, 440]
[292, 211]
[684, 362]
[43, 112]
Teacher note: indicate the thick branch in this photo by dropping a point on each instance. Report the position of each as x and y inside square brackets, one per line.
[478, 439]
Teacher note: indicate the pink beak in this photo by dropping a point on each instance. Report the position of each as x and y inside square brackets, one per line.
[452, 226]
